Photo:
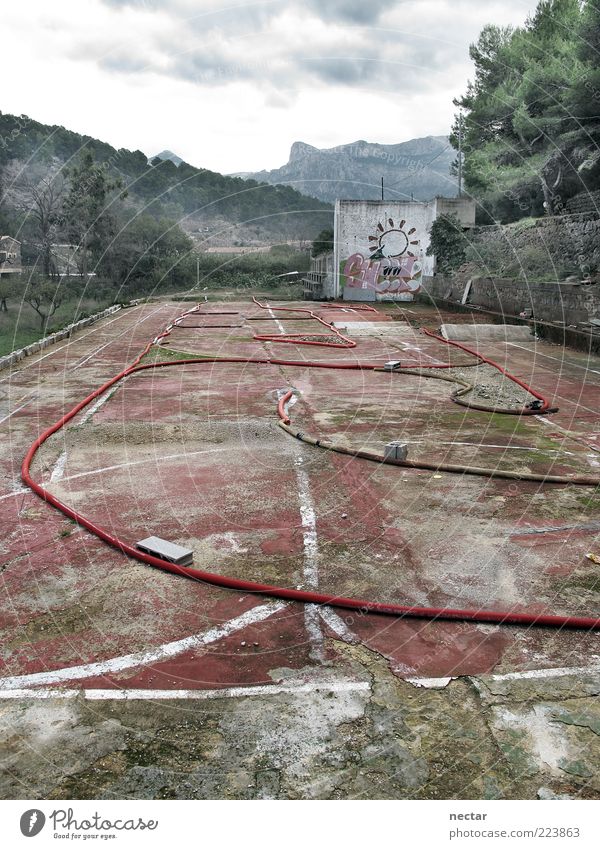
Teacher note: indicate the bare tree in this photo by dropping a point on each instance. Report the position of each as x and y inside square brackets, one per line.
[44, 203]
[45, 298]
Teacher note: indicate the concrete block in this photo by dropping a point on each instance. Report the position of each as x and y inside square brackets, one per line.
[396, 451]
[166, 550]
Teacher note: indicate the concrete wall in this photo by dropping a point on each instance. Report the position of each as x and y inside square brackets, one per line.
[380, 246]
[562, 241]
[65, 333]
[563, 302]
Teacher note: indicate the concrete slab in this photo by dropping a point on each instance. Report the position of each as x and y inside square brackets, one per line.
[315, 704]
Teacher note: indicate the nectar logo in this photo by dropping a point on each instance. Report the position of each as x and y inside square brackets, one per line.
[32, 822]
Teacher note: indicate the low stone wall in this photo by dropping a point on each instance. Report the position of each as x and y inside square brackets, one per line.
[570, 303]
[65, 333]
[561, 242]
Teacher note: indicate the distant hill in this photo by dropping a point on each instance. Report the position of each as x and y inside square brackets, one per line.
[168, 154]
[223, 209]
[419, 167]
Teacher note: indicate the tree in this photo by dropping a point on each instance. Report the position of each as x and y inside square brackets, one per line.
[323, 243]
[147, 251]
[44, 203]
[45, 297]
[524, 143]
[89, 220]
[7, 290]
[447, 243]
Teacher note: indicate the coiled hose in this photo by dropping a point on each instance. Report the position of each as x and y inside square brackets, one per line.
[429, 613]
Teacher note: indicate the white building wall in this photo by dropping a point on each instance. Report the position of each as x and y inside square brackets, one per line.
[380, 246]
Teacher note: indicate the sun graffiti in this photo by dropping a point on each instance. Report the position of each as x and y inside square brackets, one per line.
[393, 241]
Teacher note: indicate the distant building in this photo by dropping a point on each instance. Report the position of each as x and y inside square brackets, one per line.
[319, 281]
[10, 256]
[380, 246]
[65, 261]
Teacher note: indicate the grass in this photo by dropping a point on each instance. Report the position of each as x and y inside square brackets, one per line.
[20, 326]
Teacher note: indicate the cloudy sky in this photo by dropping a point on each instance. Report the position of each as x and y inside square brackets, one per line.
[230, 86]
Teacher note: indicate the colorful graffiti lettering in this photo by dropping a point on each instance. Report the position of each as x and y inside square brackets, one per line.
[397, 274]
[393, 266]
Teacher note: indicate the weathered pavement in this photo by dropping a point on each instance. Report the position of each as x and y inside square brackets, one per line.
[237, 697]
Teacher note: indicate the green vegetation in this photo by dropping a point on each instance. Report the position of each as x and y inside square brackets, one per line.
[531, 117]
[448, 243]
[20, 325]
[245, 272]
[97, 227]
[323, 243]
[163, 189]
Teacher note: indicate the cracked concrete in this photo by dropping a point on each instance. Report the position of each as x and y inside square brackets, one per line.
[384, 738]
[386, 708]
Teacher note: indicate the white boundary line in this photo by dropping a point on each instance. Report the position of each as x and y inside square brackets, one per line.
[16, 410]
[19, 367]
[563, 361]
[531, 674]
[155, 459]
[311, 555]
[130, 661]
[201, 695]
[277, 322]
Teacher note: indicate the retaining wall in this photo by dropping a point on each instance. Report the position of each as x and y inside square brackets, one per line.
[65, 333]
[571, 303]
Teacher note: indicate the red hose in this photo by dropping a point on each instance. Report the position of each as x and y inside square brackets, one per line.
[290, 337]
[281, 412]
[525, 411]
[430, 613]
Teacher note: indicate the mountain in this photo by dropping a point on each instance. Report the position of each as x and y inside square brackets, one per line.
[225, 210]
[168, 154]
[419, 167]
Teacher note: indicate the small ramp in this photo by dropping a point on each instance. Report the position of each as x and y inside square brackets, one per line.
[482, 332]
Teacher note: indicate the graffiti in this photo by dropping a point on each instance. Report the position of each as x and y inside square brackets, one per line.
[387, 275]
[393, 266]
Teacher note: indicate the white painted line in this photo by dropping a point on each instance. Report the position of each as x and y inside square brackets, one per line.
[20, 491]
[97, 351]
[562, 361]
[337, 625]
[114, 339]
[407, 347]
[200, 695]
[30, 362]
[311, 555]
[62, 347]
[100, 402]
[130, 661]
[430, 683]
[528, 675]
[309, 526]
[142, 462]
[277, 322]
[568, 434]
[59, 469]
[16, 410]
[512, 447]
[536, 674]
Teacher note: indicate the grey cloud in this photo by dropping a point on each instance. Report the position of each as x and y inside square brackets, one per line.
[348, 11]
[225, 46]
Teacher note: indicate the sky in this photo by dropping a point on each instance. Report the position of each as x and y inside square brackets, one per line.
[230, 86]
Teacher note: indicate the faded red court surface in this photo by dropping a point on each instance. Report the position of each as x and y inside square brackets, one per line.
[122, 681]
[193, 454]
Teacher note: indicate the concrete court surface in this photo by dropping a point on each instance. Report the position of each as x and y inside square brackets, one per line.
[120, 681]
